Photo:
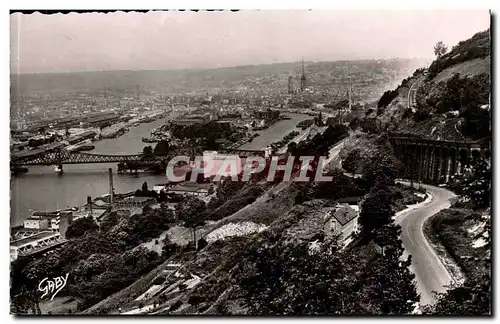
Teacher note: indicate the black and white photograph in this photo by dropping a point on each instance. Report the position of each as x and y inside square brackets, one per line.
[251, 163]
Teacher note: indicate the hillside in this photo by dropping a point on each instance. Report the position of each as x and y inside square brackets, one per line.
[450, 99]
[375, 75]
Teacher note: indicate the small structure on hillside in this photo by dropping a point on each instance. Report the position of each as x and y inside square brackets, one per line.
[342, 221]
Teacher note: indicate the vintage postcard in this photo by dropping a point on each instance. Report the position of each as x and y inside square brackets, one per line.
[251, 162]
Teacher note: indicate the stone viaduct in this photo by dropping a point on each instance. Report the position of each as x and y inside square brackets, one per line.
[435, 161]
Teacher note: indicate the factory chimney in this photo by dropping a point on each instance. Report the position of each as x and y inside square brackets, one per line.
[110, 172]
[89, 205]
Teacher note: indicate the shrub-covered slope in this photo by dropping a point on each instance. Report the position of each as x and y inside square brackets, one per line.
[451, 97]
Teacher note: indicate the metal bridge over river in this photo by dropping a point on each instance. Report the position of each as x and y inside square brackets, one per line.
[57, 156]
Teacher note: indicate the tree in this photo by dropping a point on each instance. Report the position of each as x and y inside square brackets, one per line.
[440, 49]
[389, 285]
[478, 188]
[109, 222]
[147, 150]
[145, 188]
[80, 227]
[376, 210]
[471, 299]
[292, 147]
[162, 197]
[350, 163]
[386, 99]
[202, 243]
[288, 279]
[190, 211]
[161, 148]
[382, 167]
[169, 248]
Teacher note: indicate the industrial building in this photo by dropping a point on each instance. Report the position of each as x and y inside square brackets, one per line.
[38, 243]
[81, 137]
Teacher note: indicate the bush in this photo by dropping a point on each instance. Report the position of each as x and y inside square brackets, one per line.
[175, 306]
[159, 280]
[195, 299]
[478, 46]
[81, 226]
[202, 243]
[387, 98]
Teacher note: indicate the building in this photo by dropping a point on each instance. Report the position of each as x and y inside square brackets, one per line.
[40, 242]
[224, 125]
[102, 119]
[332, 121]
[188, 121]
[342, 221]
[65, 220]
[81, 137]
[225, 165]
[267, 114]
[135, 202]
[36, 223]
[192, 189]
[159, 187]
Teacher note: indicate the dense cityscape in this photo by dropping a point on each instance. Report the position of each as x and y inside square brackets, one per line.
[405, 212]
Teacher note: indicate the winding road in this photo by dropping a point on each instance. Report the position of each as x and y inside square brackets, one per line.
[431, 274]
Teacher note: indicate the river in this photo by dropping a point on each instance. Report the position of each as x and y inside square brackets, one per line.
[42, 189]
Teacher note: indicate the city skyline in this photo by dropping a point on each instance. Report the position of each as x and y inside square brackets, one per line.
[130, 41]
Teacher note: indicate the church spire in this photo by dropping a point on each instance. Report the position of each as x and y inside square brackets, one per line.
[303, 83]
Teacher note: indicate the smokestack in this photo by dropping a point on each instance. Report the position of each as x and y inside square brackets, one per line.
[89, 204]
[110, 172]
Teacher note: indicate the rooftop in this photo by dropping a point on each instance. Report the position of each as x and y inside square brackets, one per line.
[137, 199]
[343, 214]
[34, 238]
[41, 149]
[191, 186]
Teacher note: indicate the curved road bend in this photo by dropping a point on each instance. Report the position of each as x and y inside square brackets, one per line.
[431, 274]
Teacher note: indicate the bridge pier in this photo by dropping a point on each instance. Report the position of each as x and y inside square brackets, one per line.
[464, 160]
[431, 164]
[423, 164]
[435, 166]
[453, 161]
[414, 162]
[445, 166]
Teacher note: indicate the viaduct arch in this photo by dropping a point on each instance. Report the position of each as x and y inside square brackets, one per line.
[436, 161]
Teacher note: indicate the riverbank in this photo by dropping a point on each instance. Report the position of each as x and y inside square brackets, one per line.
[275, 132]
[41, 189]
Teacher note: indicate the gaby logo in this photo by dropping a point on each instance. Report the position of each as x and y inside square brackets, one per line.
[49, 286]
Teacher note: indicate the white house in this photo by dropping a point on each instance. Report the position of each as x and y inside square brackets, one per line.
[36, 223]
[341, 220]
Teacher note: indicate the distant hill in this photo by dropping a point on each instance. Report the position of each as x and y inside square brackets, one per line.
[450, 97]
[264, 77]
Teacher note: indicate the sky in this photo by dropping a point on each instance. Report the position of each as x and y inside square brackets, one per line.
[186, 40]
